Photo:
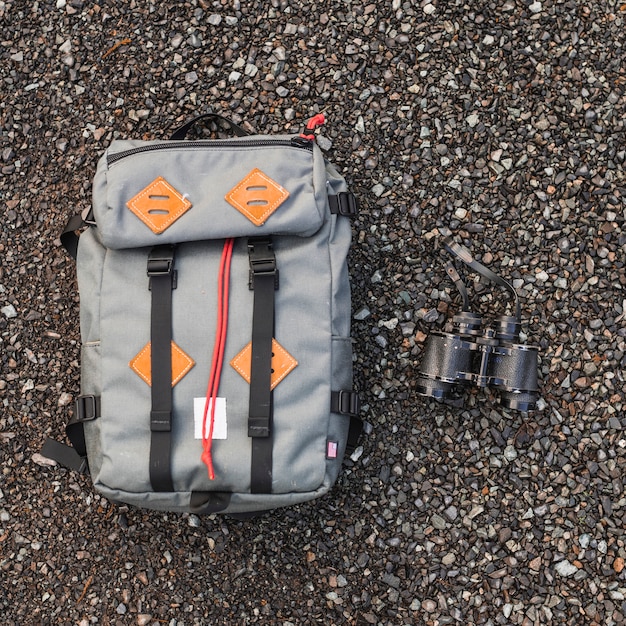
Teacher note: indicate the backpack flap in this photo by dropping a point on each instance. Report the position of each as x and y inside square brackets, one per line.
[167, 192]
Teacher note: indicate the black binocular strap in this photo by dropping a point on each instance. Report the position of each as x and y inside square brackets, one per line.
[460, 285]
[264, 281]
[463, 254]
[162, 281]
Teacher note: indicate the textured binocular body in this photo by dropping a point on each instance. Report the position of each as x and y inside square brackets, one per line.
[480, 356]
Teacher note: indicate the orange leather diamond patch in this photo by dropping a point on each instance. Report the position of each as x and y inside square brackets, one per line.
[181, 364]
[282, 363]
[159, 205]
[257, 196]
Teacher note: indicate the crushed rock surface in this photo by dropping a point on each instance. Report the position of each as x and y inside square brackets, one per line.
[501, 123]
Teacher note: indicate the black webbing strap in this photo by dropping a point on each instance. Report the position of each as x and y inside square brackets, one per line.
[74, 457]
[69, 238]
[86, 409]
[64, 455]
[355, 431]
[162, 281]
[264, 281]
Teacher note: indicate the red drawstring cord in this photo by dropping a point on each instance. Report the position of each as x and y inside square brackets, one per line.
[218, 355]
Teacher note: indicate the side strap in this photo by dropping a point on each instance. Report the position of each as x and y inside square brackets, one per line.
[355, 431]
[264, 281]
[162, 281]
[86, 408]
[348, 403]
[344, 203]
[69, 238]
[74, 457]
[345, 402]
[64, 455]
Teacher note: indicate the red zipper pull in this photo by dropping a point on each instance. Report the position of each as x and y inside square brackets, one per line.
[312, 124]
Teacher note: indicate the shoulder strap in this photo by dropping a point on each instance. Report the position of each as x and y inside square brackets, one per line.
[264, 281]
[162, 281]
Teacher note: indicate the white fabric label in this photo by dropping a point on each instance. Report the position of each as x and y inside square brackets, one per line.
[219, 423]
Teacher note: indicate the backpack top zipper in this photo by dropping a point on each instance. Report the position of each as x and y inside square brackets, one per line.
[294, 142]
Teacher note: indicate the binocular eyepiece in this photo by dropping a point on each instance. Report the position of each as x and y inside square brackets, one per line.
[478, 354]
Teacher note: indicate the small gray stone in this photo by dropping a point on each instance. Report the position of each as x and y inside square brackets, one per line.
[472, 120]
[390, 324]
[429, 606]
[378, 190]
[510, 453]
[437, 521]
[377, 277]
[451, 513]
[362, 314]
[9, 311]
[431, 316]
[565, 568]
[324, 142]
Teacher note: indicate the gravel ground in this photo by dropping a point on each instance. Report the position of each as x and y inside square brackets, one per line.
[501, 121]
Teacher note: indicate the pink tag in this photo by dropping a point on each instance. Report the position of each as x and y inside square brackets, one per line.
[331, 450]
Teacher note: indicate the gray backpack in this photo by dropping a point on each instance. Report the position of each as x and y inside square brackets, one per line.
[216, 360]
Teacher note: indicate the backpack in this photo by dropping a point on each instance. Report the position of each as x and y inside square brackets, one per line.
[216, 358]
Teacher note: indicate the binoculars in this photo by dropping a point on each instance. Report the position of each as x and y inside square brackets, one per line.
[475, 353]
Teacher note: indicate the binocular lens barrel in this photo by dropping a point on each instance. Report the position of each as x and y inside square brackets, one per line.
[516, 365]
[507, 328]
[445, 355]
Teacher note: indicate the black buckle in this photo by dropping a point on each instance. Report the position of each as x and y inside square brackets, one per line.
[262, 260]
[161, 263]
[344, 203]
[86, 408]
[160, 267]
[346, 402]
